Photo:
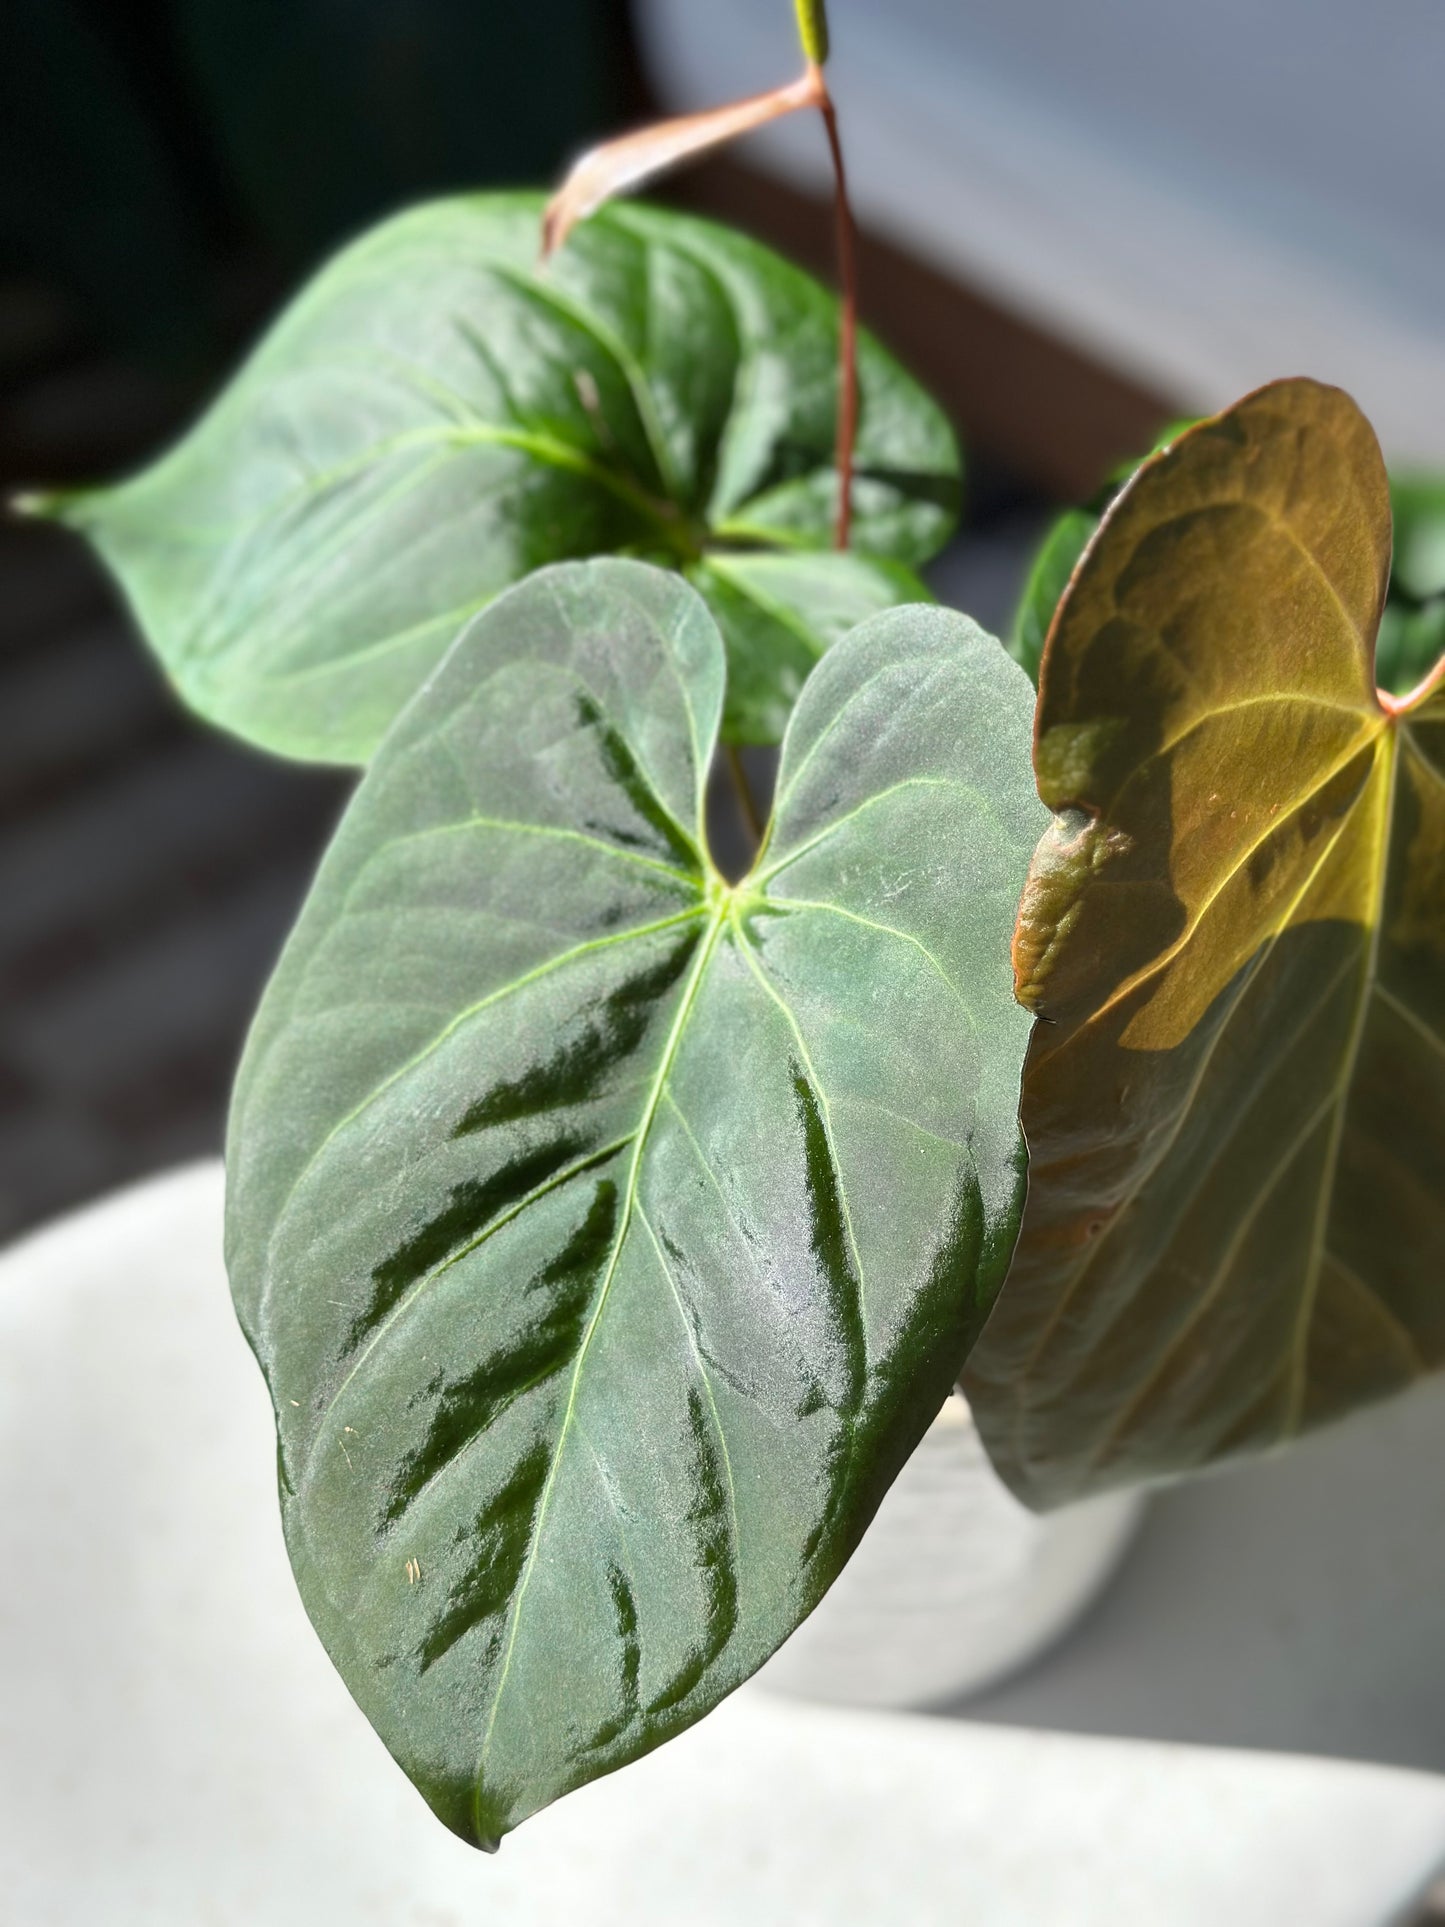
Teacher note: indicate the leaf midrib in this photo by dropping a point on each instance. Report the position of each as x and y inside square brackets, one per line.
[667, 516]
[442, 441]
[717, 920]
[724, 917]
[435, 1043]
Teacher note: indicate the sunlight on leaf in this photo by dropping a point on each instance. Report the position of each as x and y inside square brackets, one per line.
[1235, 935]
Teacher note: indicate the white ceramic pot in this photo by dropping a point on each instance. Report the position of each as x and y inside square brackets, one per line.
[955, 1583]
[176, 1750]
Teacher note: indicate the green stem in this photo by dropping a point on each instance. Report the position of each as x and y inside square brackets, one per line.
[813, 30]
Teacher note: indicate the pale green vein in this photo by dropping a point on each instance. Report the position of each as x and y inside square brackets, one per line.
[884, 930]
[1218, 1279]
[639, 1146]
[837, 823]
[1411, 1017]
[550, 832]
[441, 442]
[1246, 856]
[834, 722]
[1272, 699]
[1200, 1173]
[345, 663]
[435, 1043]
[555, 1183]
[1375, 1300]
[211, 618]
[705, 1165]
[1184, 1110]
[783, 613]
[548, 295]
[793, 541]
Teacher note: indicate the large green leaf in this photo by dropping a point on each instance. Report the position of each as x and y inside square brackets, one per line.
[609, 1235]
[437, 415]
[1235, 931]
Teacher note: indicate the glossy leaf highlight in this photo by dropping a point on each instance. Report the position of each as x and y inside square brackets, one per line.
[436, 415]
[609, 1235]
[1235, 935]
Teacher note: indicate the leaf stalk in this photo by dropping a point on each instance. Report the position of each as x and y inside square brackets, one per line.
[847, 246]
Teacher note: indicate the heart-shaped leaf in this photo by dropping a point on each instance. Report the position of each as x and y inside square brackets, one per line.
[610, 1235]
[438, 414]
[1235, 932]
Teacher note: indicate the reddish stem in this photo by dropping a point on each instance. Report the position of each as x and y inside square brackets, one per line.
[1401, 705]
[847, 321]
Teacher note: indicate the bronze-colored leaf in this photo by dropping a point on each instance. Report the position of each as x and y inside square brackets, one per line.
[618, 165]
[1234, 933]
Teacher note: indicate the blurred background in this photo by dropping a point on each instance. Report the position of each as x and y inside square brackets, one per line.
[170, 170]
[1078, 224]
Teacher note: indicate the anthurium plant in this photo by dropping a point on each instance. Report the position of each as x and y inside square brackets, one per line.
[611, 1228]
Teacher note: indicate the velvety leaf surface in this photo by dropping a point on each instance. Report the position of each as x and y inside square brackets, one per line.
[608, 1235]
[1235, 933]
[437, 414]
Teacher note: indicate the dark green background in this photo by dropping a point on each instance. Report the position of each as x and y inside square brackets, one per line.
[144, 141]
